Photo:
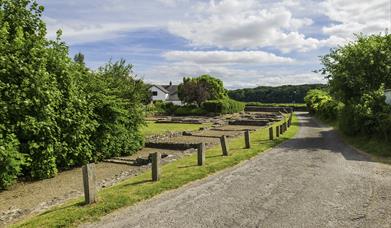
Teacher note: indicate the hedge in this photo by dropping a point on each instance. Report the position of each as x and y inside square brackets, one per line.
[223, 106]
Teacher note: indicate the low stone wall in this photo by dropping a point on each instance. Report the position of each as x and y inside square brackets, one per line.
[284, 109]
[249, 122]
[268, 109]
[171, 145]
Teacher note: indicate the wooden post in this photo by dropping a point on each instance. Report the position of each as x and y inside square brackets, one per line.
[89, 182]
[271, 135]
[155, 166]
[224, 145]
[247, 139]
[277, 131]
[201, 154]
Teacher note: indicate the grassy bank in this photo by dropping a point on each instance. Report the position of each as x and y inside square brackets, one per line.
[379, 150]
[139, 188]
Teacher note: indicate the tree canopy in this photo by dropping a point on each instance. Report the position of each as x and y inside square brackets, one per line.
[278, 94]
[359, 67]
[358, 74]
[200, 89]
[55, 112]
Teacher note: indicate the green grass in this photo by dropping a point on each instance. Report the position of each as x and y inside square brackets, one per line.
[379, 150]
[160, 128]
[140, 188]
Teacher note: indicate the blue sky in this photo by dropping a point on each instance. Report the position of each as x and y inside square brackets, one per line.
[245, 43]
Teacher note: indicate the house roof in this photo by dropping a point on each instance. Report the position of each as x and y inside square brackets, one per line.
[162, 88]
[171, 88]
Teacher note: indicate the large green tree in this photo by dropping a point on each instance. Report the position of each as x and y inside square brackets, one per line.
[359, 67]
[199, 89]
[55, 112]
[358, 73]
[29, 93]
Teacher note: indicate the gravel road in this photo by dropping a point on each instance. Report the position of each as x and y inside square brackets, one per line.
[313, 180]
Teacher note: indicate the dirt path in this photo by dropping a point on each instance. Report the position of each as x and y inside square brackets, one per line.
[314, 180]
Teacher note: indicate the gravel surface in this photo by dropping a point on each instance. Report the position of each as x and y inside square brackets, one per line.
[313, 180]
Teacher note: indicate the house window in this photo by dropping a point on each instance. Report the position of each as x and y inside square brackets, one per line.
[154, 93]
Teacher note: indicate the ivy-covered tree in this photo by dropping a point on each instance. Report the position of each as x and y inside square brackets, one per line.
[197, 90]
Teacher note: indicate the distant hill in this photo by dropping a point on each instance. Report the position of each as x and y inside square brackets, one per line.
[278, 94]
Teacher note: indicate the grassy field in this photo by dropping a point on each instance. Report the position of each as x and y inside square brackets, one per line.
[139, 188]
[160, 128]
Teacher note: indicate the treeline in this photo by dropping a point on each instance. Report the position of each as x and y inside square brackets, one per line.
[358, 74]
[55, 112]
[278, 94]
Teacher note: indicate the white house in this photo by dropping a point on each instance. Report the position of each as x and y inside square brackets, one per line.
[388, 96]
[167, 93]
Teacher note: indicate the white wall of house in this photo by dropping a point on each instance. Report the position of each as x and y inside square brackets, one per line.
[388, 96]
[158, 94]
[177, 103]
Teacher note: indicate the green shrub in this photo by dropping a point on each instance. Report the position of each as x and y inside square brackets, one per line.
[320, 102]
[117, 99]
[371, 116]
[190, 110]
[61, 113]
[10, 160]
[223, 106]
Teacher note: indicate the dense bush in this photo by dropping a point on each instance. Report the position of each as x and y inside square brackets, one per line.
[11, 160]
[55, 113]
[223, 106]
[321, 103]
[190, 110]
[358, 73]
[371, 116]
[117, 101]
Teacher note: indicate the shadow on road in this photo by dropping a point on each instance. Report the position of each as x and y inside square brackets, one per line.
[315, 137]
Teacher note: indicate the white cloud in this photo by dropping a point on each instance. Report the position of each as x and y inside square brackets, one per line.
[232, 39]
[245, 24]
[172, 3]
[90, 21]
[232, 77]
[76, 32]
[359, 16]
[227, 57]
